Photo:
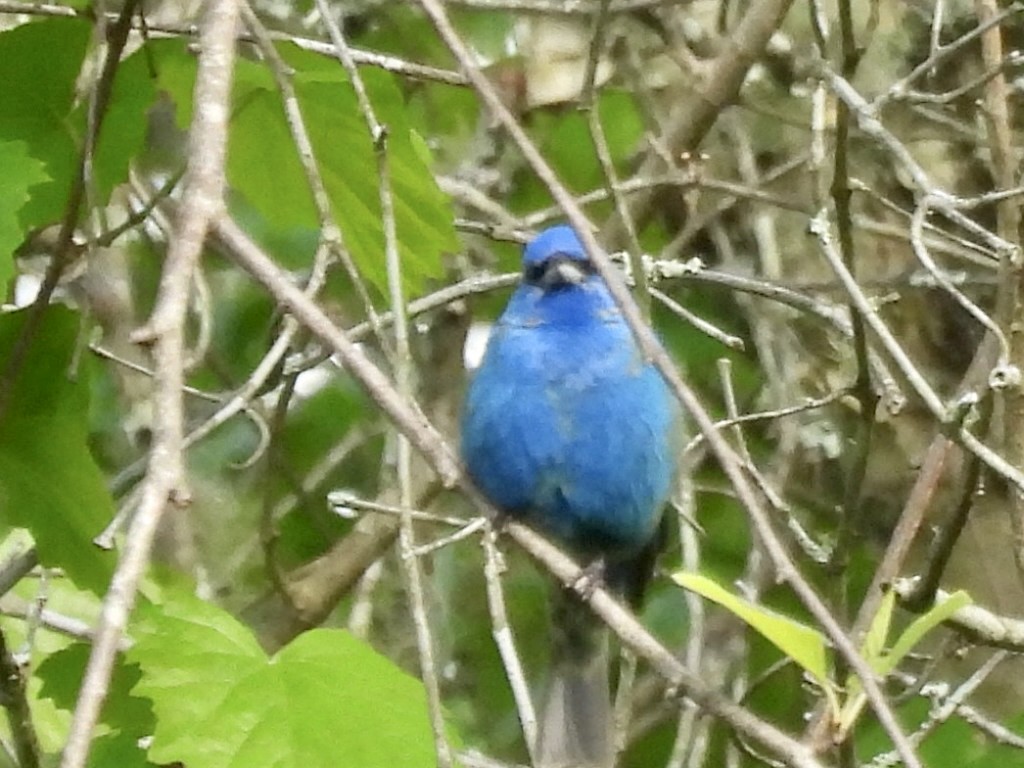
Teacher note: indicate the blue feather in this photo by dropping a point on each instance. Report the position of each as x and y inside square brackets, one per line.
[567, 427]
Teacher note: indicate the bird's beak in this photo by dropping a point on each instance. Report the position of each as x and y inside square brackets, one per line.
[564, 272]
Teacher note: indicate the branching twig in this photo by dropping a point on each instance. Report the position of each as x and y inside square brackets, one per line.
[501, 629]
[977, 623]
[426, 440]
[1009, 309]
[710, 95]
[386, 62]
[165, 484]
[945, 704]
[14, 698]
[652, 349]
[330, 231]
[16, 567]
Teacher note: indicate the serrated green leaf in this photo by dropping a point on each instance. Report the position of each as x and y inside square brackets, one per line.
[423, 215]
[38, 95]
[49, 482]
[21, 172]
[118, 750]
[347, 163]
[61, 674]
[805, 645]
[38, 107]
[324, 698]
[272, 182]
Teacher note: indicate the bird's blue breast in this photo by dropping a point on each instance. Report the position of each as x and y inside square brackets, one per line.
[565, 426]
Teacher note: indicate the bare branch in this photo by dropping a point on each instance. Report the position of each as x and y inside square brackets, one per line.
[165, 483]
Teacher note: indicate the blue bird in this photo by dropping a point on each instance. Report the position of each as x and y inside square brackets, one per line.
[566, 427]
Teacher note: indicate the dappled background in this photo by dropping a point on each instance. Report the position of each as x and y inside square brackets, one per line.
[818, 207]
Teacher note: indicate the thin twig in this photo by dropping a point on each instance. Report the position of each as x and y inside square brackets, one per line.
[14, 696]
[588, 104]
[841, 193]
[702, 325]
[431, 445]
[165, 484]
[652, 350]
[562, 7]
[16, 567]
[504, 639]
[239, 401]
[692, 730]
[1009, 313]
[941, 53]
[403, 370]
[945, 704]
[253, 260]
[363, 57]
[330, 231]
[711, 93]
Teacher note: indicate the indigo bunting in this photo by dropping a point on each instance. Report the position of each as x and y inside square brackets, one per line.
[566, 427]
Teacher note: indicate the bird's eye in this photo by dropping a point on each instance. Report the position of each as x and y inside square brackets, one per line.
[534, 273]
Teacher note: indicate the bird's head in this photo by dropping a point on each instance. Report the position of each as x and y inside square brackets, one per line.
[561, 286]
[555, 259]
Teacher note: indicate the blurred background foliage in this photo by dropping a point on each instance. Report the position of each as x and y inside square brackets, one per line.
[260, 539]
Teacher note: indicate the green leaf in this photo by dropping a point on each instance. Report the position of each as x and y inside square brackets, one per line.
[61, 674]
[325, 699]
[176, 75]
[123, 132]
[878, 633]
[884, 663]
[423, 214]
[272, 182]
[49, 482]
[118, 750]
[277, 186]
[38, 95]
[21, 172]
[38, 107]
[805, 645]
[920, 627]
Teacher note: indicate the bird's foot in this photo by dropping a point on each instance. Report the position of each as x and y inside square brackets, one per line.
[500, 522]
[590, 578]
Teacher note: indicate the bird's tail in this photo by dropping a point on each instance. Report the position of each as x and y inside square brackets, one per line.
[576, 726]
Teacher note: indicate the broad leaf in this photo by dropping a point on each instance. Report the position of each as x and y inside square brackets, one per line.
[118, 750]
[21, 171]
[38, 95]
[325, 700]
[276, 186]
[123, 132]
[805, 645]
[49, 482]
[61, 673]
[348, 165]
[38, 107]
